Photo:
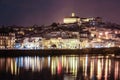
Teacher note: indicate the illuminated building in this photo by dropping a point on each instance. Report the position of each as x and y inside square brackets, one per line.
[71, 19]
[61, 40]
[7, 40]
[91, 19]
[83, 20]
[59, 43]
[32, 43]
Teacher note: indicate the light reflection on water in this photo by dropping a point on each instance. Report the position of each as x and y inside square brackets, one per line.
[64, 67]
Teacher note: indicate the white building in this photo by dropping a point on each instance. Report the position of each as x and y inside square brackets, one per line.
[60, 43]
[71, 19]
[7, 40]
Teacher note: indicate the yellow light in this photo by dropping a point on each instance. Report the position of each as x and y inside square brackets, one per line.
[92, 69]
[70, 20]
[92, 35]
[73, 14]
[99, 73]
[106, 69]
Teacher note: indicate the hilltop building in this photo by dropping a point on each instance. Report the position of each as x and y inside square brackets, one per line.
[71, 19]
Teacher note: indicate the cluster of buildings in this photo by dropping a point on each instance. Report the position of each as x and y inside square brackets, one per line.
[73, 33]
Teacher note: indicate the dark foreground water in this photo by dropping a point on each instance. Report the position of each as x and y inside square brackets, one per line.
[64, 67]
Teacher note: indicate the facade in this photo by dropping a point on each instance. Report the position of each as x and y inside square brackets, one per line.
[60, 43]
[91, 20]
[32, 43]
[7, 40]
[84, 20]
[102, 44]
[71, 19]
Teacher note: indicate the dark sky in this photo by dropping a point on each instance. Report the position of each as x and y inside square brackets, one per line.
[29, 12]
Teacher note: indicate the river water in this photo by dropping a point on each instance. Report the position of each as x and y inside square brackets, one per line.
[64, 67]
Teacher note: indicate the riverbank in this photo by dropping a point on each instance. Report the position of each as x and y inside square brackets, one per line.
[54, 52]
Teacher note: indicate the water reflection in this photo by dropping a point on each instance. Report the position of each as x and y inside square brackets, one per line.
[65, 67]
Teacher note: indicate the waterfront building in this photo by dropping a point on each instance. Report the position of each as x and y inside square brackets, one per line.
[60, 43]
[7, 40]
[101, 44]
[32, 43]
[61, 40]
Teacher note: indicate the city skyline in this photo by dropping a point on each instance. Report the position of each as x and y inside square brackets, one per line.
[40, 12]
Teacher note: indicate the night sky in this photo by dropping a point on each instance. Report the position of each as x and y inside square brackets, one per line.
[29, 12]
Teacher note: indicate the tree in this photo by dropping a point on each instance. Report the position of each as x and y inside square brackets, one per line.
[54, 24]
